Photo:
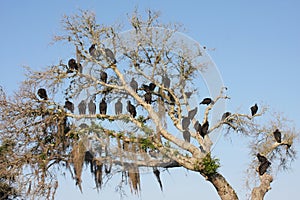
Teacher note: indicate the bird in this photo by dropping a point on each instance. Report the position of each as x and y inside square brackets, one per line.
[69, 105]
[277, 135]
[192, 113]
[197, 127]
[103, 107]
[118, 107]
[148, 97]
[92, 107]
[72, 65]
[134, 85]
[152, 87]
[148, 88]
[186, 136]
[103, 76]
[254, 109]
[261, 158]
[204, 129]
[82, 107]
[110, 55]
[131, 109]
[206, 101]
[42, 93]
[157, 175]
[263, 167]
[92, 50]
[185, 123]
[225, 115]
[166, 81]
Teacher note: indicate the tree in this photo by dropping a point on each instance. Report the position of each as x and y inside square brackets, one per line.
[157, 124]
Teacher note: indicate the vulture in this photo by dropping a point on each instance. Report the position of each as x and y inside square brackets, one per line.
[134, 85]
[110, 55]
[152, 86]
[192, 113]
[118, 107]
[185, 123]
[277, 135]
[42, 93]
[72, 65]
[148, 88]
[103, 107]
[148, 97]
[225, 115]
[82, 108]
[206, 101]
[166, 81]
[103, 76]
[92, 50]
[261, 158]
[254, 109]
[263, 167]
[131, 109]
[69, 105]
[204, 129]
[92, 107]
[186, 136]
[197, 127]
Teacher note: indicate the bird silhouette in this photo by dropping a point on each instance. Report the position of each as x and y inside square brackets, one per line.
[92, 107]
[206, 101]
[197, 127]
[118, 107]
[148, 97]
[225, 115]
[204, 129]
[254, 109]
[263, 167]
[134, 85]
[72, 65]
[82, 107]
[92, 50]
[110, 55]
[131, 109]
[186, 135]
[42, 93]
[103, 107]
[103, 76]
[192, 113]
[185, 123]
[69, 105]
[261, 158]
[277, 135]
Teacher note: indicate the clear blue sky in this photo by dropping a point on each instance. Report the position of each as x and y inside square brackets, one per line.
[257, 46]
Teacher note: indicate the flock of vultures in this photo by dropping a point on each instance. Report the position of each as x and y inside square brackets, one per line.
[83, 106]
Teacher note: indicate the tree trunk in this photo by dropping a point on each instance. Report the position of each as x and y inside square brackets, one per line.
[259, 192]
[224, 189]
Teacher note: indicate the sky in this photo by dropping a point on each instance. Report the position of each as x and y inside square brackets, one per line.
[255, 45]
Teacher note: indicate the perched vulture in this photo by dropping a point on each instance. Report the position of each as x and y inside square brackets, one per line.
[254, 109]
[103, 76]
[110, 55]
[277, 135]
[166, 81]
[152, 86]
[92, 107]
[42, 93]
[103, 107]
[261, 158]
[148, 88]
[263, 167]
[134, 85]
[72, 65]
[204, 129]
[148, 97]
[206, 101]
[92, 50]
[225, 115]
[197, 127]
[131, 109]
[192, 113]
[69, 105]
[186, 136]
[118, 107]
[82, 107]
[185, 123]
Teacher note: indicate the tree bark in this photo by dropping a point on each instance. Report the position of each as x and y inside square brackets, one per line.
[224, 189]
[259, 192]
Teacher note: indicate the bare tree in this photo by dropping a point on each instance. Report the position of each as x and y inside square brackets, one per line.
[156, 124]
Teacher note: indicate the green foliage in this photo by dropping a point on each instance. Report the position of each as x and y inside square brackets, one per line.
[210, 164]
[146, 143]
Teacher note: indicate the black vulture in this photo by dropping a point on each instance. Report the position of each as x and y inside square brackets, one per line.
[185, 123]
[148, 88]
[92, 107]
[186, 136]
[261, 158]
[134, 85]
[166, 81]
[131, 109]
[197, 127]
[110, 55]
[72, 65]
[254, 109]
[69, 105]
[148, 97]
[263, 167]
[277, 135]
[225, 115]
[82, 107]
[92, 50]
[103, 107]
[192, 113]
[152, 86]
[157, 175]
[118, 107]
[103, 76]
[204, 129]
[42, 94]
[206, 101]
